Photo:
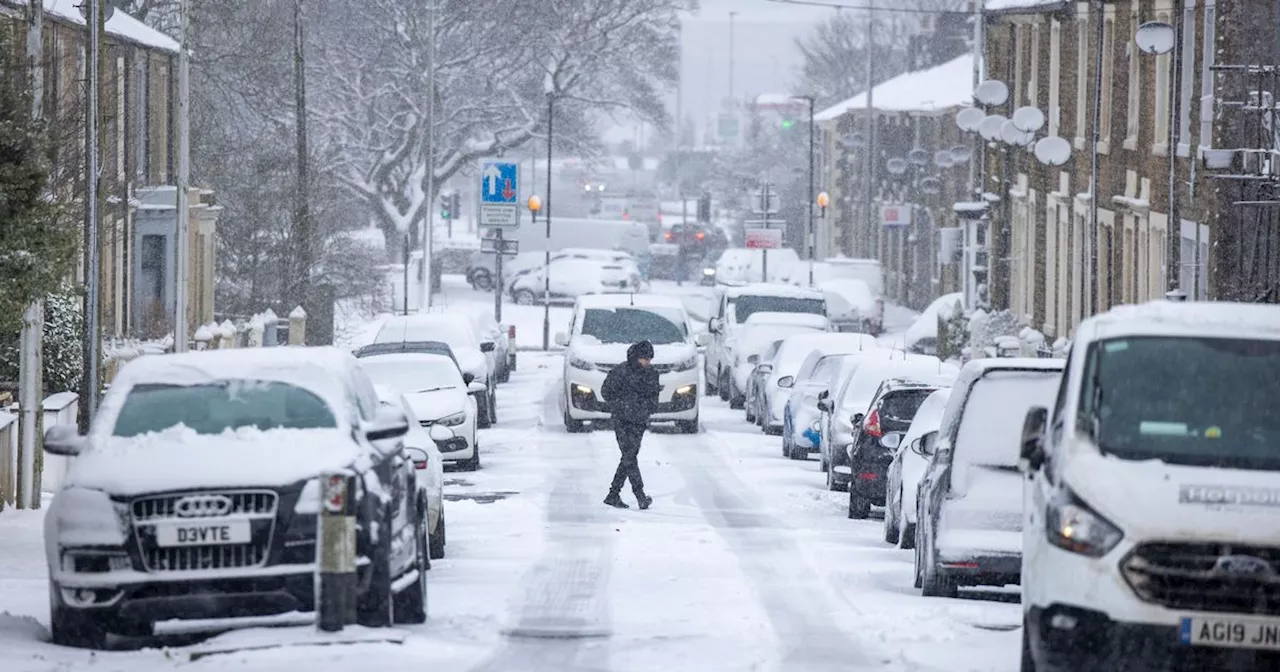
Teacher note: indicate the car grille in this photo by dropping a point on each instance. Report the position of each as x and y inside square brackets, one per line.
[1229, 578]
[258, 507]
[660, 368]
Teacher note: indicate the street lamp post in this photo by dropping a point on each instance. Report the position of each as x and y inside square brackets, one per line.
[546, 264]
[1158, 38]
[809, 233]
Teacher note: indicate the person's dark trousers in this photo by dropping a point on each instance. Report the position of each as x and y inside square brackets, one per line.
[629, 437]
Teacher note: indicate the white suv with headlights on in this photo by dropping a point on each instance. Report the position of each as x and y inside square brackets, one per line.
[602, 329]
[195, 496]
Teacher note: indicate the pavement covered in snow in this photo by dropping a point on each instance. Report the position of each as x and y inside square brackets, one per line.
[745, 562]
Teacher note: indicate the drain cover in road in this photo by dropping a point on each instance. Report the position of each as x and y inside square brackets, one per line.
[551, 627]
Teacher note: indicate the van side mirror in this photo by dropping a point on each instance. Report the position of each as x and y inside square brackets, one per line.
[826, 406]
[786, 382]
[467, 378]
[857, 419]
[63, 440]
[753, 359]
[488, 346]
[926, 445]
[1032, 452]
[891, 441]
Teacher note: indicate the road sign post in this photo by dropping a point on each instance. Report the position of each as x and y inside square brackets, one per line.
[895, 216]
[499, 209]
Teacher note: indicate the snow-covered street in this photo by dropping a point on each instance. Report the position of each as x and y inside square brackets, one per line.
[745, 562]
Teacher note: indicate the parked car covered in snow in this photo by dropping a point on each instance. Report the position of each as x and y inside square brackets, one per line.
[438, 395]
[734, 306]
[502, 336]
[428, 467]
[970, 500]
[475, 358]
[772, 396]
[910, 460]
[195, 494]
[746, 350]
[851, 306]
[922, 336]
[571, 278]
[801, 426]
[601, 330]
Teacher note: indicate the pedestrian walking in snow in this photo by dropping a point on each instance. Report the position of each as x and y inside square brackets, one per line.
[631, 390]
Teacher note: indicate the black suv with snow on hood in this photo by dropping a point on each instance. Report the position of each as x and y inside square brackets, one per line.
[195, 495]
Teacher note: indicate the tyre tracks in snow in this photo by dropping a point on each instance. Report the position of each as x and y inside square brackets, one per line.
[562, 621]
[798, 603]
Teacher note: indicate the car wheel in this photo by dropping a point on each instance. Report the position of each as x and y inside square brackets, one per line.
[932, 582]
[822, 457]
[82, 629]
[832, 484]
[472, 463]
[482, 281]
[891, 531]
[750, 412]
[907, 537]
[438, 538]
[573, 426]
[1028, 660]
[917, 564]
[493, 403]
[798, 452]
[504, 376]
[482, 412]
[687, 426]
[712, 382]
[524, 297]
[411, 603]
[723, 386]
[374, 609]
[859, 507]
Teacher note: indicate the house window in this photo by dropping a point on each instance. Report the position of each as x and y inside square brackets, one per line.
[1135, 84]
[152, 266]
[1019, 62]
[1082, 71]
[1206, 74]
[1108, 79]
[1160, 142]
[1158, 244]
[1055, 76]
[1187, 68]
[1080, 266]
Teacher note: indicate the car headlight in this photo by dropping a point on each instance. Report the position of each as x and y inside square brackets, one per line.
[85, 517]
[582, 364]
[1073, 526]
[688, 364]
[453, 420]
[708, 271]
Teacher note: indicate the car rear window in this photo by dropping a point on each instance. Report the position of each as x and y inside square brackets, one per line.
[901, 405]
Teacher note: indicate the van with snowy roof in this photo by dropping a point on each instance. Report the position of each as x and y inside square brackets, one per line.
[734, 306]
[1152, 494]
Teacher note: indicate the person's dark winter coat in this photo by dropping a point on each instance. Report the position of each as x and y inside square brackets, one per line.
[631, 390]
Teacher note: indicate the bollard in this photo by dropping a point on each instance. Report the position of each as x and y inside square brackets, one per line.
[298, 326]
[202, 337]
[336, 576]
[255, 332]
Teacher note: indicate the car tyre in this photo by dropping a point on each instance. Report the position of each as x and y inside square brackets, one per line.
[438, 539]
[375, 607]
[798, 452]
[892, 532]
[493, 404]
[472, 463]
[859, 507]
[907, 537]
[1028, 660]
[687, 426]
[75, 628]
[524, 297]
[482, 412]
[832, 484]
[573, 426]
[932, 582]
[505, 375]
[482, 281]
[723, 385]
[410, 605]
[749, 409]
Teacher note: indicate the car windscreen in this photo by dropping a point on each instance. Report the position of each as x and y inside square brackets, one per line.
[990, 431]
[423, 347]
[212, 408]
[1184, 400]
[659, 326]
[901, 405]
[746, 306]
[408, 376]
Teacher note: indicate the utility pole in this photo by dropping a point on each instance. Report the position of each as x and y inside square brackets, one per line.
[812, 235]
[302, 205]
[867, 236]
[546, 264]
[428, 227]
[182, 239]
[1175, 115]
[30, 364]
[93, 268]
[732, 15]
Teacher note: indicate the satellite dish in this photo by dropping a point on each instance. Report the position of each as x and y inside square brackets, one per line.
[1028, 119]
[851, 140]
[1053, 151]
[989, 129]
[918, 157]
[897, 166]
[931, 185]
[1027, 140]
[961, 154]
[992, 92]
[1010, 133]
[969, 118]
[943, 159]
[1155, 37]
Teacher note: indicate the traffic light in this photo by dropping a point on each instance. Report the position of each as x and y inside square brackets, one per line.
[787, 123]
[446, 206]
[455, 208]
[704, 208]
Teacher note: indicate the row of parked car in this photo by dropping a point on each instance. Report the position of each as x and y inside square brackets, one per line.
[1123, 488]
[573, 272]
[195, 493]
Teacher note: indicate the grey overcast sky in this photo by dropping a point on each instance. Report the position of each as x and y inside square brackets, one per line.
[765, 57]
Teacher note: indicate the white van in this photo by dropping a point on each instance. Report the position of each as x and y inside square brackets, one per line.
[735, 305]
[1152, 494]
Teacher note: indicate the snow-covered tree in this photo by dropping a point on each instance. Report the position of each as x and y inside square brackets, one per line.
[496, 62]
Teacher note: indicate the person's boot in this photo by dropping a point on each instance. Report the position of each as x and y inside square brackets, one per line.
[644, 500]
[615, 500]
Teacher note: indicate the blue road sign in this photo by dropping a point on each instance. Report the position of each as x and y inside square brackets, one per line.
[498, 183]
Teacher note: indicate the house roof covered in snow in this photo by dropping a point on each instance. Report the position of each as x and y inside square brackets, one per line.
[1019, 6]
[939, 88]
[120, 26]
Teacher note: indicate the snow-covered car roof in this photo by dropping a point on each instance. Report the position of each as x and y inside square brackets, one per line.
[320, 370]
[455, 329]
[796, 349]
[999, 421]
[1194, 318]
[871, 372]
[856, 293]
[630, 300]
[771, 289]
[792, 319]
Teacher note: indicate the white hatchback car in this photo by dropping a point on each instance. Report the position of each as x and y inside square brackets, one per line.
[433, 389]
[475, 357]
[602, 329]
